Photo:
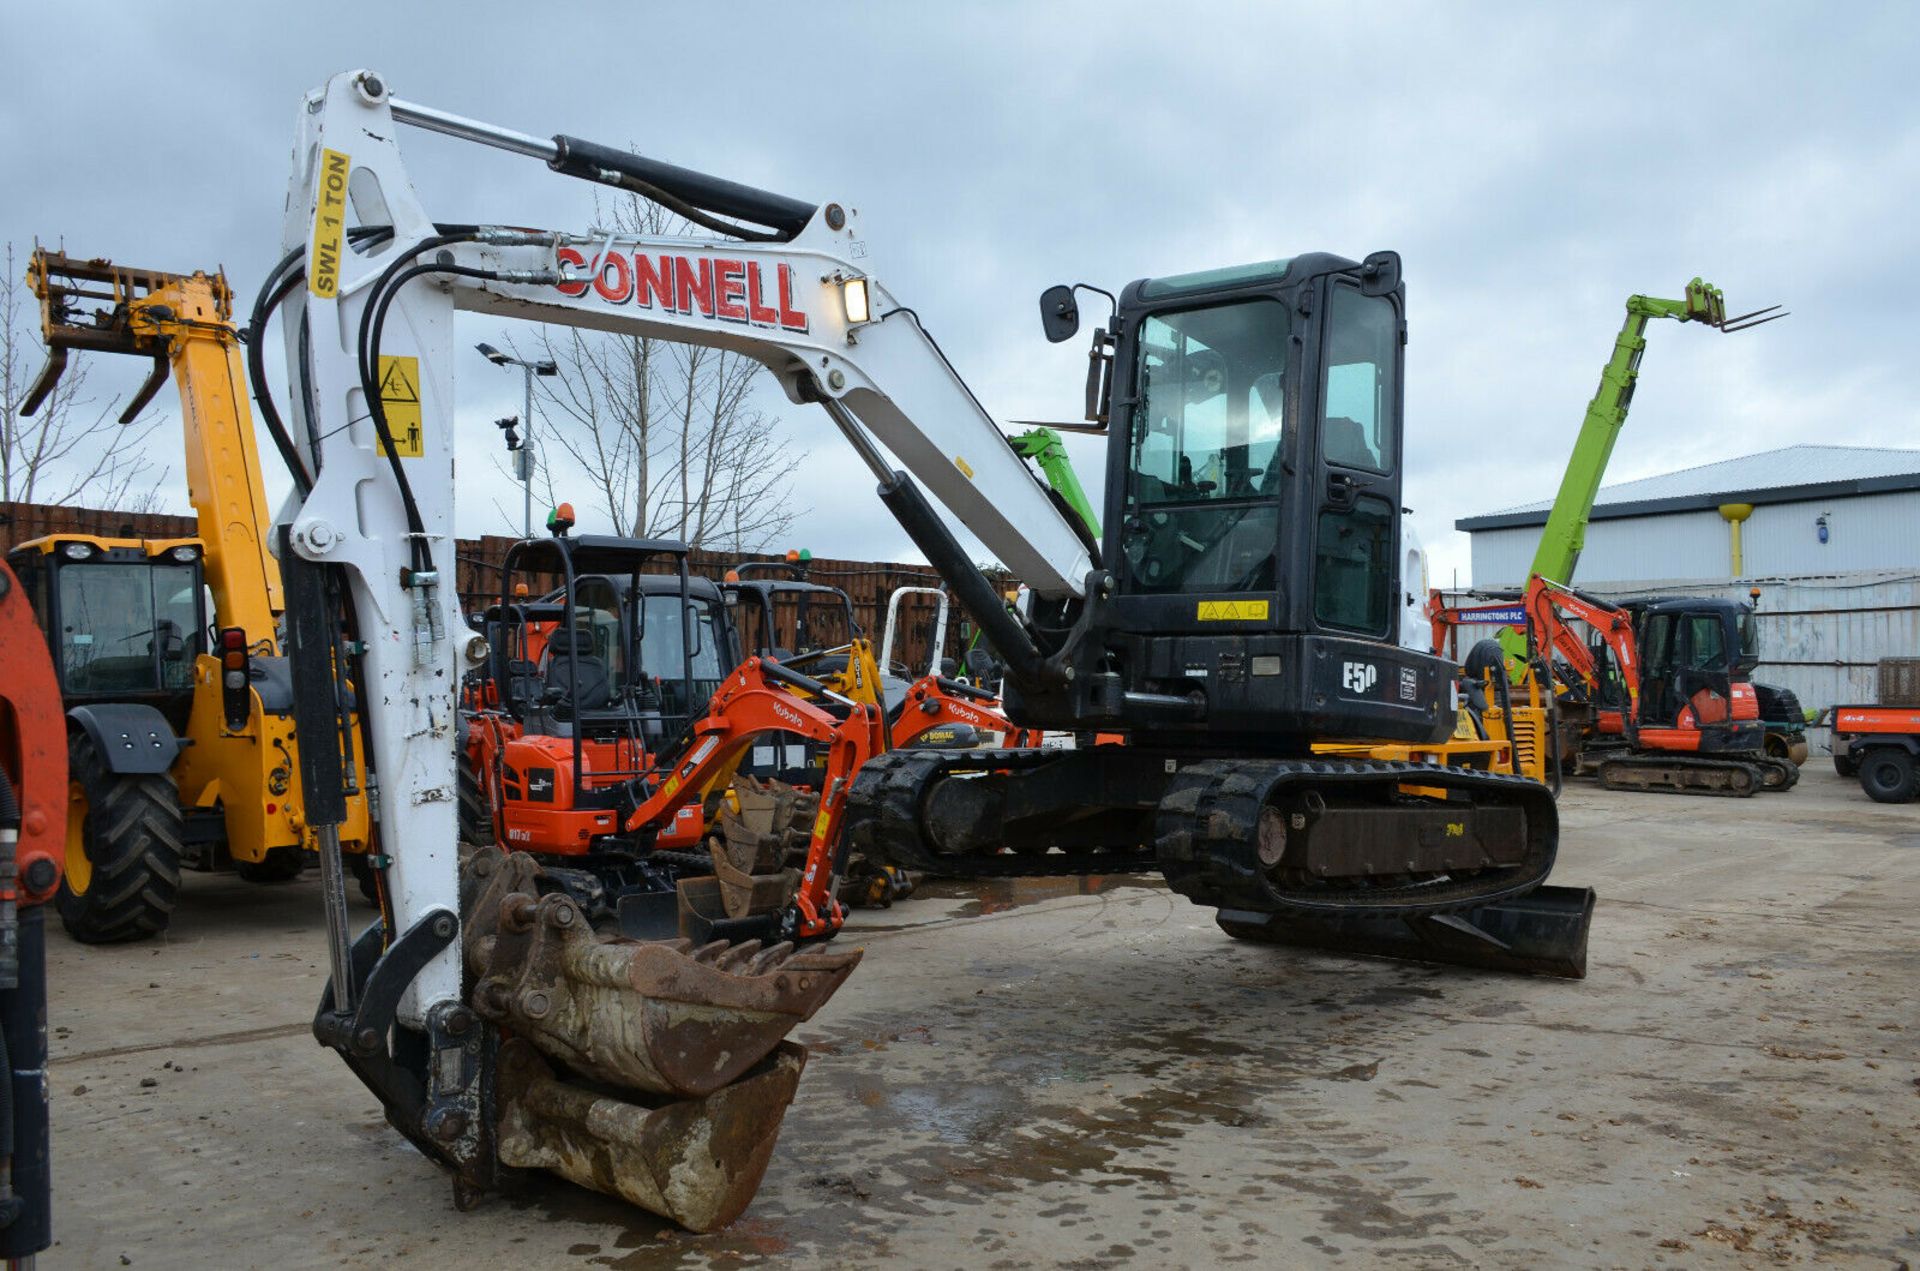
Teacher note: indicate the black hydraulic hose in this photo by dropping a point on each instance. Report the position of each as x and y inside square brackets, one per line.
[9, 804]
[280, 283]
[373, 323]
[372, 320]
[444, 235]
[269, 300]
[1504, 691]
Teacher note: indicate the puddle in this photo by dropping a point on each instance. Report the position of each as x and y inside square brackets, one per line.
[997, 895]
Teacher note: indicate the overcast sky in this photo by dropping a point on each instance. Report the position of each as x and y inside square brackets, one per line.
[1533, 164]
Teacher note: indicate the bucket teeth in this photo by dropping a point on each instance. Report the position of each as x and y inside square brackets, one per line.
[659, 1016]
[695, 1161]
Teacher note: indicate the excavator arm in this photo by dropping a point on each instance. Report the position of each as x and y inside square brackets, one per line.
[1549, 605]
[367, 293]
[757, 698]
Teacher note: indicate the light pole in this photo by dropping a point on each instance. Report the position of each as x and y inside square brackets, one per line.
[531, 369]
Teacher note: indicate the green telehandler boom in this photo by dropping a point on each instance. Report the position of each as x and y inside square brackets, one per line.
[1048, 452]
[1566, 530]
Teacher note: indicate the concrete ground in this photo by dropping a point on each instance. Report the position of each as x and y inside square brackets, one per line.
[1088, 1076]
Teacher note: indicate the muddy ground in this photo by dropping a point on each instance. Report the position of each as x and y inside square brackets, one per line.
[1093, 1075]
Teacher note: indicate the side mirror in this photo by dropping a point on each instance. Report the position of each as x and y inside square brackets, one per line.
[1380, 274]
[1059, 313]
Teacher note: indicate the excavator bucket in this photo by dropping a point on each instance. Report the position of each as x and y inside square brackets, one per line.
[653, 1070]
[664, 1016]
[697, 1161]
[762, 845]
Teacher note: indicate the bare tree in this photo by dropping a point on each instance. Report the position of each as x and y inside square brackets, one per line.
[665, 434]
[69, 451]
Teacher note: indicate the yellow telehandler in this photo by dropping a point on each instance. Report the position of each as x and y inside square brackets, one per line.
[168, 651]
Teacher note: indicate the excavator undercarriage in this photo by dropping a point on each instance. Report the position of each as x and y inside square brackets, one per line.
[1315, 853]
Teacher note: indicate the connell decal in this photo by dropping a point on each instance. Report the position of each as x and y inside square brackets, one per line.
[712, 286]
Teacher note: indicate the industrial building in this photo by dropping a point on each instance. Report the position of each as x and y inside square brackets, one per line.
[1797, 512]
[1829, 536]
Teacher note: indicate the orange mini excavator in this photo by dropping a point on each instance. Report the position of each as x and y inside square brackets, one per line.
[607, 728]
[1672, 709]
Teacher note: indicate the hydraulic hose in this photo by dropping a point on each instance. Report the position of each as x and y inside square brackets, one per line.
[372, 325]
[281, 281]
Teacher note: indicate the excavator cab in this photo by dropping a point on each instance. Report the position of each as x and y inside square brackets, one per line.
[1253, 514]
[1697, 659]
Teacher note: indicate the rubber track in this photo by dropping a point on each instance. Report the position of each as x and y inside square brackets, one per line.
[883, 820]
[476, 822]
[134, 841]
[1683, 765]
[1218, 801]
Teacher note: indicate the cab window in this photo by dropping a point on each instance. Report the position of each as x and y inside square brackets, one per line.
[663, 641]
[131, 627]
[1363, 340]
[1707, 645]
[1212, 404]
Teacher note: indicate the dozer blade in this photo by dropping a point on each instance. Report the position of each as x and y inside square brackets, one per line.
[668, 1017]
[1542, 933]
[695, 1161]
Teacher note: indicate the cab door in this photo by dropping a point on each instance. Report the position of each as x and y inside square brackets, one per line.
[1356, 527]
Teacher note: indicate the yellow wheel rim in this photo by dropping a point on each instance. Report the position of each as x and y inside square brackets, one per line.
[79, 870]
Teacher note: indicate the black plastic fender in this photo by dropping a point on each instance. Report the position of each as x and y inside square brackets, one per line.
[129, 737]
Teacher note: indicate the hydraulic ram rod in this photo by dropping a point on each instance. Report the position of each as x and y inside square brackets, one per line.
[591, 161]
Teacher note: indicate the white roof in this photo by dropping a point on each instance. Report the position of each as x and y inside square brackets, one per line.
[1770, 469]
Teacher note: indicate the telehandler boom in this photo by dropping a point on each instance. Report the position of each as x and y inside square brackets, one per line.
[214, 779]
[1243, 604]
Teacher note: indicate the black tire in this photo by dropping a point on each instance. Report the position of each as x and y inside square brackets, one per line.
[1886, 774]
[476, 818]
[280, 865]
[126, 830]
[1846, 765]
[1484, 656]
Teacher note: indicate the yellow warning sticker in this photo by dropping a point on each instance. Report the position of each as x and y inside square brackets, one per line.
[400, 395]
[821, 822]
[673, 784]
[966, 469]
[1232, 611]
[329, 225]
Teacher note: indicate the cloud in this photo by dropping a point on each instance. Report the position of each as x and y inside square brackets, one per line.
[1532, 164]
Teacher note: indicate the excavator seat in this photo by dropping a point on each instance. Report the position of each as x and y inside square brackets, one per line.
[576, 678]
[524, 687]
